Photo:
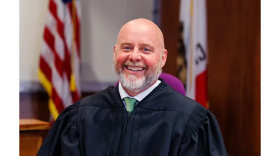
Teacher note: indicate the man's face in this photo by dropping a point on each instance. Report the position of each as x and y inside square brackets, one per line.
[139, 56]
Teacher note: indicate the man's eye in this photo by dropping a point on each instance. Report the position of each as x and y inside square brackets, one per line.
[127, 48]
[146, 49]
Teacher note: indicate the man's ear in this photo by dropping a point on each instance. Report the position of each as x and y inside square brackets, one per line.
[114, 50]
[164, 57]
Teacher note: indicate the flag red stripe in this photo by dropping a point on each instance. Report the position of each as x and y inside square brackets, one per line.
[53, 8]
[49, 38]
[45, 69]
[78, 40]
[201, 88]
[75, 96]
[67, 65]
[58, 64]
[57, 101]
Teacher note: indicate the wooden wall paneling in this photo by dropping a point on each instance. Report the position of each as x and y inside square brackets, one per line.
[34, 105]
[234, 72]
[169, 24]
[252, 74]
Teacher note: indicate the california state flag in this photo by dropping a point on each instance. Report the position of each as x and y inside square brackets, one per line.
[193, 23]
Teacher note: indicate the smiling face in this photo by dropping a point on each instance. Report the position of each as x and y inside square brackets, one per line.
[139, 55]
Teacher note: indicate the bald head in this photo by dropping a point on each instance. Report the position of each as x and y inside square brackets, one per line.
[143, 26]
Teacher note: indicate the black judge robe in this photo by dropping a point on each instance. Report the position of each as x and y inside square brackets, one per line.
[164, 123]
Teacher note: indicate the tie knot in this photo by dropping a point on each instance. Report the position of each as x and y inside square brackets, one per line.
[130, 103]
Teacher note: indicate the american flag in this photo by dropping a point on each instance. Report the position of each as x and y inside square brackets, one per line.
[59, 64]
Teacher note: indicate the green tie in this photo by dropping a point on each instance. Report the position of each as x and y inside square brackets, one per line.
[130, 103]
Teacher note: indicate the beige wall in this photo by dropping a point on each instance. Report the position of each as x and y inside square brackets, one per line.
[31, 21]
[101, 21]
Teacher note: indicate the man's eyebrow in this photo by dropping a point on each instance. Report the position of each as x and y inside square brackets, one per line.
[146, 44]
[125, 43]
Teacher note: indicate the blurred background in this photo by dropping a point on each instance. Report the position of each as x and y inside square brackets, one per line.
[226, 34]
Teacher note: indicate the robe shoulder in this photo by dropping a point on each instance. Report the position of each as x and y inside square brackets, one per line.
[165, 98]
[62, 138]
[108, 98]
[202, 135]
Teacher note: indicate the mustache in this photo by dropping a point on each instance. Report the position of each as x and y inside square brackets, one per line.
[136, 64]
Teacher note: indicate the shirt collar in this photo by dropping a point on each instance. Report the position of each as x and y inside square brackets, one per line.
[140, 96]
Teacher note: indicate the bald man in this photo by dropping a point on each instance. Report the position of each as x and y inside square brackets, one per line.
[142, 116]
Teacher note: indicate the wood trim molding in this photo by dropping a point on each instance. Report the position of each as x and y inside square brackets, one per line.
[32, 86]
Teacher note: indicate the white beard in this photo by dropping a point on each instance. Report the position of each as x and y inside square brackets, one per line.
[132, 83]
[135, 84]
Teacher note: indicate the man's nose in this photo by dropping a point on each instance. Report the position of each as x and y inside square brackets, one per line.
[135, 55]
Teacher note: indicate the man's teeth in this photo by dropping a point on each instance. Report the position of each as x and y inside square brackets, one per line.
[135, 68]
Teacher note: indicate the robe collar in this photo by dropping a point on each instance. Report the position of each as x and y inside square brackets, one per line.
[140, 96]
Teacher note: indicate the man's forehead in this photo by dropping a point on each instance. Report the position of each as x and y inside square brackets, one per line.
[141, 29]
[138, 44]
[140, 34]
[135, 41]
[138, 31]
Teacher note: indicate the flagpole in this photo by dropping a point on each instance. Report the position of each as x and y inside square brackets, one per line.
[72, 79]
[190, 86]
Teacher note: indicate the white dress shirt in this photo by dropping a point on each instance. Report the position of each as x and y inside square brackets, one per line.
[140, 96]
